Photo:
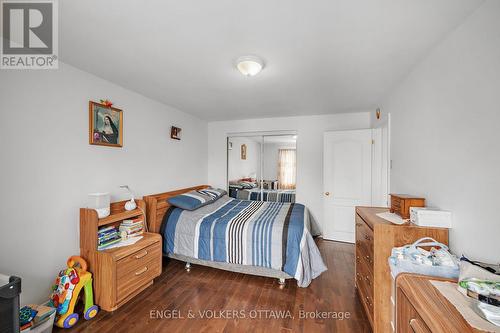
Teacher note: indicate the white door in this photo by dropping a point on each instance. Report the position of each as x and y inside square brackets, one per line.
[347, 163]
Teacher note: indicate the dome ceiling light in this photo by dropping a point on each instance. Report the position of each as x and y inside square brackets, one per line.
[249, 65]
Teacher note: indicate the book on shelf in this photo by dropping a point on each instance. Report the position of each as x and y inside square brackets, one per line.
[108, 243]
[131, 228]
[138, 220]
[105, 230]
[107, 236]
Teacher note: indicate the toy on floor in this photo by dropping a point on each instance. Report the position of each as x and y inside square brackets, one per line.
[66, 289]
[26, 315]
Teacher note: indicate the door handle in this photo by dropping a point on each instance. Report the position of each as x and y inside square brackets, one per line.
[327, 193]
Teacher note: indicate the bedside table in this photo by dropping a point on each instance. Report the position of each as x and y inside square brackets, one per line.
[119, 273]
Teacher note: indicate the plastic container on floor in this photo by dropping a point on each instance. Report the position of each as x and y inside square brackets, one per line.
[10, 288]
[44, 327]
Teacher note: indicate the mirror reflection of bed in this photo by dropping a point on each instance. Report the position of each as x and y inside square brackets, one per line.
[262, 167]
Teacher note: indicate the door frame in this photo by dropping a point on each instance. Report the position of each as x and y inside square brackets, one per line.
[385, 168]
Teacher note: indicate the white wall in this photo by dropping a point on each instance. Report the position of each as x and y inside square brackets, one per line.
[310, 131]
[239, 168]
[48, 167]
[445, 123]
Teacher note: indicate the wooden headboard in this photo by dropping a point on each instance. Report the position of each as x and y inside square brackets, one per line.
[157, 206]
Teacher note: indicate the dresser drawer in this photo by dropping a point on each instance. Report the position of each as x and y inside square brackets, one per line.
[128, 283]
[365, 294]
[137, 260]
[364, 275]
[408, 319]
[364, 242]
[364, 232]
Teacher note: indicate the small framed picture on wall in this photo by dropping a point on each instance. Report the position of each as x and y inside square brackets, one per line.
[243, 151]
[105, 125]
[175, 133]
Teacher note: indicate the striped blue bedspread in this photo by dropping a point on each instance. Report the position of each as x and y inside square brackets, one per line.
[258, 194]
[267, 234]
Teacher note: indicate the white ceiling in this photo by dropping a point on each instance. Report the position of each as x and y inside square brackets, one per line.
[322, 56]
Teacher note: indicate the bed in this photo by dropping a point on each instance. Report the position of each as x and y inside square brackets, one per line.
[269, 239]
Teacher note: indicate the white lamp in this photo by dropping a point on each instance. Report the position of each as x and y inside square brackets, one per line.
[249, 65]
[129, 205]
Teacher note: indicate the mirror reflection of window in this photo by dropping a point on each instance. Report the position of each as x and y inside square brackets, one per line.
[279, 171]
[287, 164]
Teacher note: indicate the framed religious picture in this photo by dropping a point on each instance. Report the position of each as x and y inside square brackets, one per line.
[175, 133]
[105, 125]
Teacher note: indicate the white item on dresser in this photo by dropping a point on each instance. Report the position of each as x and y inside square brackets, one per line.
[430, 217]
[392, 217]
[99, 202]
[129, 205]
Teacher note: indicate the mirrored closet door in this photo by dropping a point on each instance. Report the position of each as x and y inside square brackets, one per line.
[262, 167]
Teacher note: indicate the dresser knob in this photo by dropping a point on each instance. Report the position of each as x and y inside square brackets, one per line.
[367, 278]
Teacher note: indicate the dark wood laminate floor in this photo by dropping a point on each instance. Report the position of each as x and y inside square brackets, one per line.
[236, 298]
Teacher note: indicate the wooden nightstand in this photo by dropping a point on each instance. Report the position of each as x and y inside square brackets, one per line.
[120, 273]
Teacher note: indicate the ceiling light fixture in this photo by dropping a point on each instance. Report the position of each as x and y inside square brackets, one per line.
[249, 65]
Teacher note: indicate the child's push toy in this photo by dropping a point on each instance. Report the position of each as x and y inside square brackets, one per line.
[66, 290]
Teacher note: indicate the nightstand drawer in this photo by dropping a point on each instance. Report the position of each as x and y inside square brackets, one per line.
[137, 260]
[128, 283]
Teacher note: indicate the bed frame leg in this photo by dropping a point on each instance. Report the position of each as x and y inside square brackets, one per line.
[281, 282]
[188, 266]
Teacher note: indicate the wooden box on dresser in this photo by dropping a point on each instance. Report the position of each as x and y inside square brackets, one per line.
[120, 273]
[375, 238]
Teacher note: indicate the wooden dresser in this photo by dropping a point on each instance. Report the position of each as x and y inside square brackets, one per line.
[375, 238]
[422, 309]
[120, 273]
